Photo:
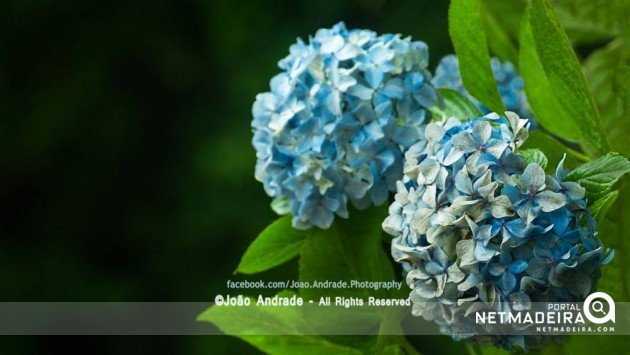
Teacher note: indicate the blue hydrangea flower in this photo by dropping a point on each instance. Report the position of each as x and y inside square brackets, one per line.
[509, 83]
[337, 121]
[476, 228]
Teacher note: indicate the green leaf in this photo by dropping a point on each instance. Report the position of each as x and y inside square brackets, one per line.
[540, 96]
[252, 323]
[554, 150]
[456, 105]
[587, 21]
[622, 81]
[602, 204]
[350, 250]
[277, 244]
[534, 155]
[563, 70]
[498, 19]
[599, 176]
[469, 40]
[605, 71]
[400, 349]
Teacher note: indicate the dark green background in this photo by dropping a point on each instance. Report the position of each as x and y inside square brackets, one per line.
[126, 169]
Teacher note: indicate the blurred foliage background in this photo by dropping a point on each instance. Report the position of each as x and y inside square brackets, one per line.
[126, 169]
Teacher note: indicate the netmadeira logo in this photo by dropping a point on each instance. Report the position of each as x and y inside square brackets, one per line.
[556, 317]
[594, 308]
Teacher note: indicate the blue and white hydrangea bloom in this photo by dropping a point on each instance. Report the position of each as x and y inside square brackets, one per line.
[477, 228]
[509, 83]
[337, 121]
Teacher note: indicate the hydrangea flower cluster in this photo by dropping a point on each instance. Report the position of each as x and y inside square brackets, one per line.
[338, 120]
[476, 228]
[509, 83]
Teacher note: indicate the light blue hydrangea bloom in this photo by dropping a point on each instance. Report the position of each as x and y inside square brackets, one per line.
[509, 83]
[337, 121]
[477, 228]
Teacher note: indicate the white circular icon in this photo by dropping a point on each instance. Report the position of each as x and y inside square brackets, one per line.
[600, 316]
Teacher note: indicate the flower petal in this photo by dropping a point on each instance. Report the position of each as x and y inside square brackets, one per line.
[550, 201]
[533, 178]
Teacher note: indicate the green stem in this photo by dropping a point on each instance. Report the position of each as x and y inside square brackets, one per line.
[578, 155]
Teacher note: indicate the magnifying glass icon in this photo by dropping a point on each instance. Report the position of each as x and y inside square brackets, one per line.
[598, 307]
